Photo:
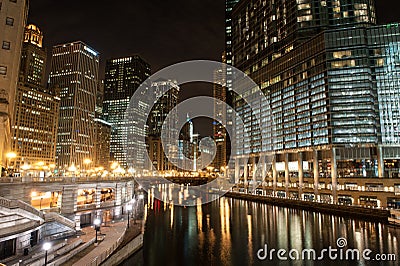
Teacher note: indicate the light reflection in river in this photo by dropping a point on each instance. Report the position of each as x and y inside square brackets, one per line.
[230, 232]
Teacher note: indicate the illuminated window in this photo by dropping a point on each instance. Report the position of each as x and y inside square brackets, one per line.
[9, 21]
[3, 70]
[6, 45]
[341, 54]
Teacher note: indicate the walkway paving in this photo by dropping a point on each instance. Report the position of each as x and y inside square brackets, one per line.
[111, 234]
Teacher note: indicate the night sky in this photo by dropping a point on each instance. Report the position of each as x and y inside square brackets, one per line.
[162, 32]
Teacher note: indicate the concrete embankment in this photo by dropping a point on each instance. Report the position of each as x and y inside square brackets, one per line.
[340, 210]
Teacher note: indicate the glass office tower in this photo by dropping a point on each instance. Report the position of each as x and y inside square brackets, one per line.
[122, 77]
[329, 76]
[74, 72]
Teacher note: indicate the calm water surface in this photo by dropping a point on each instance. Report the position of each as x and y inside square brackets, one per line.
[230, 232]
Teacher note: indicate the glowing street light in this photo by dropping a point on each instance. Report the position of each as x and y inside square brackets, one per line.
[10, 155]
[46, 248]
[114, 165]
[72, 168]
[87, 161]
[96, 223]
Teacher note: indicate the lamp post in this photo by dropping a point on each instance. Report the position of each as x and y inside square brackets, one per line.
[86, 162]
[96, 223]
[46, 248]
[11, 155]
[129, 209]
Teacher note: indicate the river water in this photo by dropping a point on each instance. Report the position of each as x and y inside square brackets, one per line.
[232, 232]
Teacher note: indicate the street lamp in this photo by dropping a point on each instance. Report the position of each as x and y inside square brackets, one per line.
[11, 155]
[129, 209]
[86, 162]
[72, 168]
[96, 223]
[46, 248]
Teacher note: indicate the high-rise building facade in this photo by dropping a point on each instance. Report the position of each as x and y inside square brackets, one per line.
[13, 15]
[33, 58]
[167, 92]
[74, 71]
[122, 77]
[329, 77]
[102, 143]
[220, 93]
[102, 132]
[34, 129]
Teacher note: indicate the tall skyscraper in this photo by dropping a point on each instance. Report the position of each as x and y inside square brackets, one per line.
[220, 111]
[74, 71]
[229, 5]
[33, 58]
[102, 132]
[122, 77]
[36, 110]
[13, 15]
[329, 77]
[163, 108]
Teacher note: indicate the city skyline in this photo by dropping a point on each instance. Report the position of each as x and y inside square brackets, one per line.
[102, 163]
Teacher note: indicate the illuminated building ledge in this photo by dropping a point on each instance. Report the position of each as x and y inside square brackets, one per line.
[349, 211]
[352, 176]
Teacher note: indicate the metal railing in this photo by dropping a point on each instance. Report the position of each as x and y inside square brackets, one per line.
[64, 179]
[103, 256]
[13, 204]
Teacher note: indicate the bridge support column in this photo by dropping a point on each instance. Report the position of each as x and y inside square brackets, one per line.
[246, 172]
[97, 197]
[381, 163]
[301, 174]
[316, 173]
[274, 174]
[237, 170]
[334, 175]
[287, 178]
[69, 199]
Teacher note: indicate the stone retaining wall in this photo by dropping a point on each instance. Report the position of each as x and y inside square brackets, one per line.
[340, 210]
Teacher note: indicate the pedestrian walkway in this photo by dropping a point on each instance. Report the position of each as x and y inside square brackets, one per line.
[110, 235]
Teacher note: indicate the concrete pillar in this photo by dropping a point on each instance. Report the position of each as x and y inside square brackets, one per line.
[381, 163]
[130, 190]
[118, 194]
[237, 170]
[254, 166]
[69, 199]
[246, 171]
[274, 174]
[287, 179]
[334, 175]
[301, 174]
[316, 173]
[263, 168]
[97, 197]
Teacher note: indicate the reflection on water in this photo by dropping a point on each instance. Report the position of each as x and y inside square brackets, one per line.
[230, 232]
